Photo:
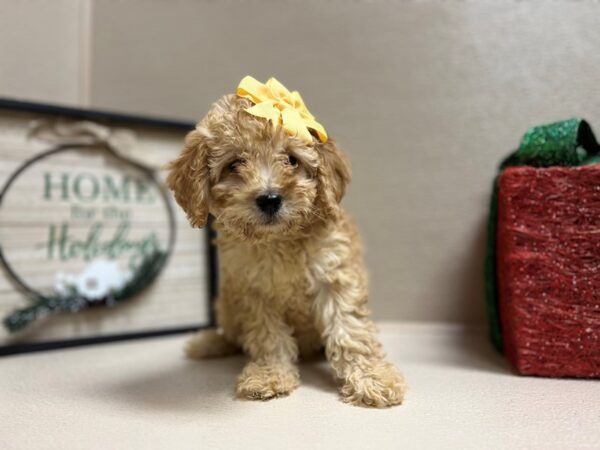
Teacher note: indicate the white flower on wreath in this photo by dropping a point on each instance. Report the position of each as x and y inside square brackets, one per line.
[99, 279]
[64, 283]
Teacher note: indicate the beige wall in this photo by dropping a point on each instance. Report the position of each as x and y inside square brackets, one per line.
[424, 96]
[41, 50]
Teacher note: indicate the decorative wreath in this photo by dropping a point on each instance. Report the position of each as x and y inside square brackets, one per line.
[100, 284]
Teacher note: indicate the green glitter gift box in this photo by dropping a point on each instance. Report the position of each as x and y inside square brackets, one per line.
[543, 255]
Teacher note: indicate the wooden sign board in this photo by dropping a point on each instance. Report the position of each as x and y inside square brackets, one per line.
[93, 247]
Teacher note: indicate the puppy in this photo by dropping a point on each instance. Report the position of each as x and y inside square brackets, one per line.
[292, 279]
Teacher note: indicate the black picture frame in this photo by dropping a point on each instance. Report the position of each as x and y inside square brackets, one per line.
[112, 118]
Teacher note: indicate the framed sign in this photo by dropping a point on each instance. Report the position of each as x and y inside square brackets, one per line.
[92, 245]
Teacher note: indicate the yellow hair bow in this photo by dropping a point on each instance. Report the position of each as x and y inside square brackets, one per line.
[272, 101]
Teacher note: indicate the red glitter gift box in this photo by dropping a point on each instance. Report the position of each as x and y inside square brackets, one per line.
[548, 269]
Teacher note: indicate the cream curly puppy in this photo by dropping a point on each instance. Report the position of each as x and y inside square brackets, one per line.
[292, 278]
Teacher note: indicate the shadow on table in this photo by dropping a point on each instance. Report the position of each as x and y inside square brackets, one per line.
[473, 345]
[475, 351]
[197, 385]
[186, 385]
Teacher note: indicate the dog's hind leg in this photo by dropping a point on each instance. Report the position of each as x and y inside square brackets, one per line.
[209, 344]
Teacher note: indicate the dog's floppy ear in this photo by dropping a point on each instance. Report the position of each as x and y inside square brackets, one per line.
[189, 178]
[333, 175]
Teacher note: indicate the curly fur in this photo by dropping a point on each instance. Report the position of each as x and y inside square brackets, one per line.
[290, 286]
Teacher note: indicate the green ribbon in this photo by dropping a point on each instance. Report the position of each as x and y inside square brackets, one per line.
[567, 143]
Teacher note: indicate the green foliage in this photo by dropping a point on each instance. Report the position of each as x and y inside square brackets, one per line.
[42, 306]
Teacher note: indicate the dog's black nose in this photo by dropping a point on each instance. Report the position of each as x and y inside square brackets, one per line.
[269, 203]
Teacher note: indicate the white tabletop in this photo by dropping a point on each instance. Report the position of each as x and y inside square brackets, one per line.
[144, 394]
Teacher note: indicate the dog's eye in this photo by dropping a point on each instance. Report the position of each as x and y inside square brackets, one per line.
[292, 160]
[235, 165]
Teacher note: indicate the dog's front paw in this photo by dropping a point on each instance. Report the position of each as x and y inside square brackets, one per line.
[265, 381]
[378, 385]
